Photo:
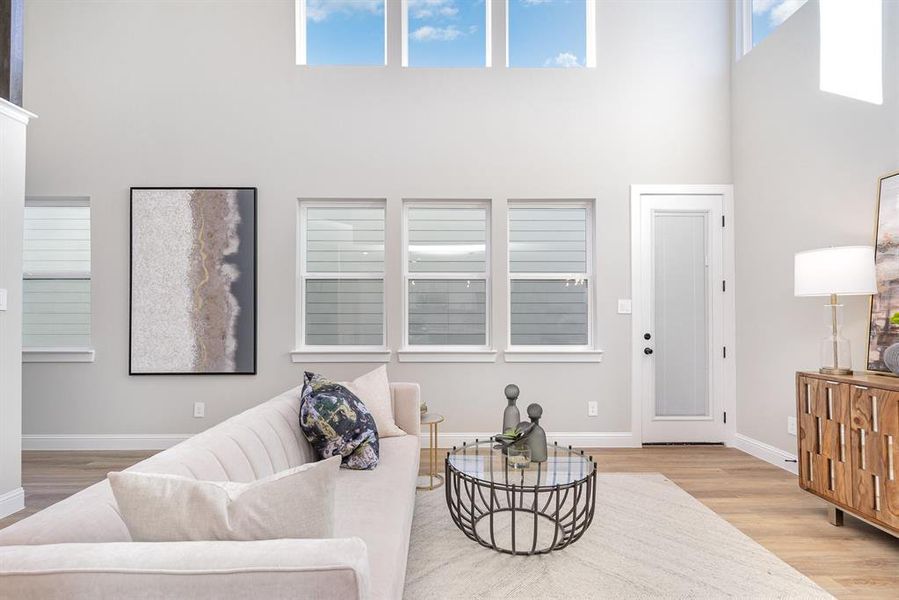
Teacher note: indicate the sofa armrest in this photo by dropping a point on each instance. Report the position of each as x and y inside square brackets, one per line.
[407, 406]
[285, 568]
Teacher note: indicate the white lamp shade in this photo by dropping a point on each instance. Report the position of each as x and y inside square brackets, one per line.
[845, 270]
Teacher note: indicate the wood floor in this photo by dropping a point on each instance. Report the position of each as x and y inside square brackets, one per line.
[854, 561]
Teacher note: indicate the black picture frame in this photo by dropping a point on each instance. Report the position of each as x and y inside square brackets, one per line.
[255, 294]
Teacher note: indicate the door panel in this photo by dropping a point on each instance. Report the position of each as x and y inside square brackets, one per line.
[679, 313]
[680, 282]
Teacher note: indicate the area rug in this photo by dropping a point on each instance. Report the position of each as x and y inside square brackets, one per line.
[649, 539]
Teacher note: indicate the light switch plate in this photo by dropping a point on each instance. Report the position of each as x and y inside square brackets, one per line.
[791, 425]
[2, 299]
[199, 410]
[624, 306]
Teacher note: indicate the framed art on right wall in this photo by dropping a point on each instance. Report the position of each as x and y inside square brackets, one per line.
[883, 326]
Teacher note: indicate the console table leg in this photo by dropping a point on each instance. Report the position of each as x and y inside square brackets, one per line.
[835, 516]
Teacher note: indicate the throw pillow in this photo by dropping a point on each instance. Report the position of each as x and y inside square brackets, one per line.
[295, 503]
[373, 389]
[337, 423]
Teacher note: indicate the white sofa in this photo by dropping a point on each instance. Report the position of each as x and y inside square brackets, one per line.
[80, 548]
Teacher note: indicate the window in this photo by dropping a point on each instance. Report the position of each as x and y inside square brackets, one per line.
[340, 32]
[447, 33]
[852, 49]
[551, 33]
[550, 275]
[341, 281]
[57, 280]
[446, 275]
[767, 15]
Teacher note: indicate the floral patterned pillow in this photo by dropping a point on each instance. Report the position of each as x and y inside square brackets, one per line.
[337, 423]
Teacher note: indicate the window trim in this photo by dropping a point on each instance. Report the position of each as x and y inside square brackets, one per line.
[303, 352]
[742, 28]
[61, 354]
[554, 353]
[448, 353]
[58, 355]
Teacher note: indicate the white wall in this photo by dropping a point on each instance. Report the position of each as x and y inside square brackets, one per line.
[13, 121]
[206, 93]
[806, 166]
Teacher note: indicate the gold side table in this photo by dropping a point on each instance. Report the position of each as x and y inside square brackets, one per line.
[427, 481]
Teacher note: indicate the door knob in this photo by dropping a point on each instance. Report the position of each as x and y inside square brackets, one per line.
[647, 350]
[647, 336]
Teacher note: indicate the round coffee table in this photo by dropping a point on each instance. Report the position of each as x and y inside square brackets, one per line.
[536, 510]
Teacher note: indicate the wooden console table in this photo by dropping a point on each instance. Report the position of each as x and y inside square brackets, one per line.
[848, 442]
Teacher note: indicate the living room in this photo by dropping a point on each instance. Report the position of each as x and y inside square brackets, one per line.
[553, 278]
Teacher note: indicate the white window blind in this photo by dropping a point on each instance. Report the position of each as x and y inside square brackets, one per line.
[549, 268]
[57, 273]
[342, 274]
[446, 274]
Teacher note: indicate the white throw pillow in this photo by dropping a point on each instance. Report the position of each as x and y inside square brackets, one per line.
[373, 389]
[294, 503]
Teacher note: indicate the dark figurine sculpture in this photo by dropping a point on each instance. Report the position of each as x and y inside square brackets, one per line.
[536, 436]
[511, 416]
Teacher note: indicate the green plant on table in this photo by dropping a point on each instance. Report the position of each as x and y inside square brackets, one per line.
[510, 435]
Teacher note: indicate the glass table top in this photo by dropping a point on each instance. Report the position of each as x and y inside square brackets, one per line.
[484, 460]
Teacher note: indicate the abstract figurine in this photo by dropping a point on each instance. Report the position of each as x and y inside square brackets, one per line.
[511, 416]
[537, 436]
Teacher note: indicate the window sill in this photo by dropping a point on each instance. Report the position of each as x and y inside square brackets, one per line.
[447, 356]
[309, 355]
[553, 356]
[58, 355]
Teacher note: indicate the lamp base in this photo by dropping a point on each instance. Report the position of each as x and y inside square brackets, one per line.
[832, 371]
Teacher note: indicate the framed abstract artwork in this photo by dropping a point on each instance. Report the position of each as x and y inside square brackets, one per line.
[193, 281]
[883, 328]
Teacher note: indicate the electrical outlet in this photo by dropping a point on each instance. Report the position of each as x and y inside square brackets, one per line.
[624, 306]
[791, 425]
[199, 410]
[592, 408]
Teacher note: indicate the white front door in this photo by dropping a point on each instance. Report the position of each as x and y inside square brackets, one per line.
[678, 317]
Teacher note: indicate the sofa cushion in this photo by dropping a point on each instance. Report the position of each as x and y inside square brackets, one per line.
[91, 515]
[377, 506]
[373, 389]
[270, 569]
[296, 503]
[337, 423]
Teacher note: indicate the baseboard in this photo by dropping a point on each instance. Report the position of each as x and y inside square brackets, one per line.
[11, 502]
[767, 453]
[578, 439]
[101, 441]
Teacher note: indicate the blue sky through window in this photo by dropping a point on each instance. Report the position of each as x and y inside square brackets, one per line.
[547, 33]
[447, 33]
[345, 32]
[767, 15]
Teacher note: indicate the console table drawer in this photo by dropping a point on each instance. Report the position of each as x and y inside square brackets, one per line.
[824, 461]
[875, 444]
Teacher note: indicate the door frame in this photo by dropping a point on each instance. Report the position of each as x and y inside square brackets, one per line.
[728, 365]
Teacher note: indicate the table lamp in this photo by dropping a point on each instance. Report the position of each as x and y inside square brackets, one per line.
[847, 271]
